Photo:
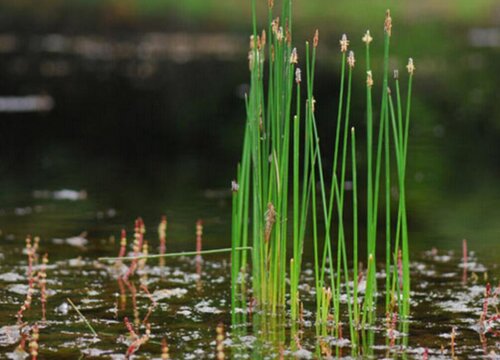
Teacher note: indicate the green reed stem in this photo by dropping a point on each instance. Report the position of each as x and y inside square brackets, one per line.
[296, 208]
[405, 247]
[387, 208]
[235, 265]
[82, 317]
[355, 226]
[341, 248]
[177, 254]
[369, 183]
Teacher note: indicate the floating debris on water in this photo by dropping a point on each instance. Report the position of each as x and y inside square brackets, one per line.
[78, 241]
[63, 194]
[158, 295]
[9, 334]
[204, 307]
[29, 103]
[11, 277]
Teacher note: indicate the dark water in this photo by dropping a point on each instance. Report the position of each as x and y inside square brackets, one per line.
[145, 136]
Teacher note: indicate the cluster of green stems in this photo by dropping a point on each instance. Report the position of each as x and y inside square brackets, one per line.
[281, 149]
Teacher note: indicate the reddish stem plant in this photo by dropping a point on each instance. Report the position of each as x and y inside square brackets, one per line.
[42, 283]
[164, 350]
[199, 235]
[220, 342]
[33, 345]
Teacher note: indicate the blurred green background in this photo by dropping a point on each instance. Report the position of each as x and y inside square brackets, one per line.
[148, 109]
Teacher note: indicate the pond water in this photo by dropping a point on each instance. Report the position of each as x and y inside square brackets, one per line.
[184, 301]
[130, 137]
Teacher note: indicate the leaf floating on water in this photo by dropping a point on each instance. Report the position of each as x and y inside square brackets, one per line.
[21, 289]
[9, 335]
[11, 277]
[204, 307]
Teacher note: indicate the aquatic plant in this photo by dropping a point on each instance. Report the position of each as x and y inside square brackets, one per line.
[487, 323]
[123, 245]
[276, 133]
[164, 350]
[144, 287]
[42, 284]
[137, 341]
[452, 340]
[162, 236]
[33, 344]
[30, 252]
[137, 245]
[199, 241]
[219, 341]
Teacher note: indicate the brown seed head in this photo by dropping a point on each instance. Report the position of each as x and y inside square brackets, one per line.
[350, 59]
[298, 76]
[263, 38]
[410, 66]
[316, 38]
[270, 3]
[270, 220]
[369, 79]
[294, 57]
[279, 34]
[367, 38]
[234, 186]
[275, 24]
[388, 22]
[328, 295]
[344, 43]
[250, 59]
[252, 42]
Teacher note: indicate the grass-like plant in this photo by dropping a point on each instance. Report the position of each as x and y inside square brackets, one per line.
[281, 149]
